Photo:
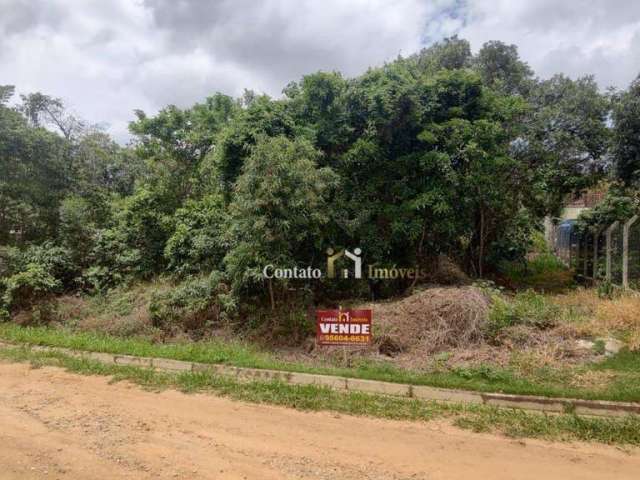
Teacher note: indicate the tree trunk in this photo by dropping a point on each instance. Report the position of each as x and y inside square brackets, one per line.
[419, 255]
[271, 296]
[481, 248]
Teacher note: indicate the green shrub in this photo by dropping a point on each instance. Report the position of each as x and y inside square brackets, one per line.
[114, 261]
[196, 244]
[545, 263]
[6, 256]
[30, 277]
[143, 224]
[25, 289]
[540, 264]
[55, 260]
[278, 214]
[195, 304]
[526, 308]
[77, 228]
[543, 272]
[515, 240]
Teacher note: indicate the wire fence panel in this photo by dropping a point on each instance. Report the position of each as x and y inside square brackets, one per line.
[608, 252]
[634, 256]
[574, 250]
[563, 241]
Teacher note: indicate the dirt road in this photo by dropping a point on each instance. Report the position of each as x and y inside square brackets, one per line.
[57, 425]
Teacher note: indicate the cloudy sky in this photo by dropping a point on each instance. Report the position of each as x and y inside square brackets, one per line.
[107, 58]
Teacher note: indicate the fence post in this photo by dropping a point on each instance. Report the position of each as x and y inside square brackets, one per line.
[596, 240]
[625, 251]
[610, 230]
[585, 253]
[550, 233]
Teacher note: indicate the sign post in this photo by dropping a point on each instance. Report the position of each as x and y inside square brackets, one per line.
[343, 327]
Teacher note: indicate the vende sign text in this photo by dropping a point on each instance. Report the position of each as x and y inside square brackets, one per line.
[343, 327]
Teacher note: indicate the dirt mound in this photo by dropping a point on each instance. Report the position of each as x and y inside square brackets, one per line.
[431, 320]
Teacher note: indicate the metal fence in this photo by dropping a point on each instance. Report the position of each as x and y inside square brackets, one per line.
[609, 252]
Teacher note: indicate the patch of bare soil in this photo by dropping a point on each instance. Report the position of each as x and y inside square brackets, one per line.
[57, 425]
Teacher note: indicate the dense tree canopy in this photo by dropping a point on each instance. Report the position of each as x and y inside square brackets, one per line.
[440, 153]
[626, 116]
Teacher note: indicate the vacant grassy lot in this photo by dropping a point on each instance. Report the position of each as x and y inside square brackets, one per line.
[521, 342]
[616, 378]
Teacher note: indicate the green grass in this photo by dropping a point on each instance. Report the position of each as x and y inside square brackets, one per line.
[545, 272]
[486, 378]
[624, 361]
[524, 308]
[517, 424]
[480, 418]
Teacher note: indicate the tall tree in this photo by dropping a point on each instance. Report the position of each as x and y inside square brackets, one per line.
[449, 54]
[500, 67]
[43, 110]
[626, 136]
[34, 174]
[279, 210]
[565, 138]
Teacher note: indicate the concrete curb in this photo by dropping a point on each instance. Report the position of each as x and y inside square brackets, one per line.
[421, 392]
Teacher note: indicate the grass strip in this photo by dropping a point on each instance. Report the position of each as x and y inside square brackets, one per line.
[483, 379]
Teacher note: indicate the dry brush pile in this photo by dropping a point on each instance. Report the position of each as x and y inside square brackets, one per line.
[431, 320]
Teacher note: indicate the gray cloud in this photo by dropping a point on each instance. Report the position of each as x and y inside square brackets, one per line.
[577, 37]
[21, 16]
[280, 40]
[108, 58]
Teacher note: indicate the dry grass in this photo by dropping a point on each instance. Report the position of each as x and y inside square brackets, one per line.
[431, 320]
[593, 379]
[597, 317]
[545, 355]
[444, 326]
[121, 312]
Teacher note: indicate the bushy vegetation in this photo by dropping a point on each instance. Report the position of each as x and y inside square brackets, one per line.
[196, 303]
[442, 153]
[623, 196]
[619, 204]
[197, 243]
[541, 270]
[33, 276]
[28, 287]
[525, 308]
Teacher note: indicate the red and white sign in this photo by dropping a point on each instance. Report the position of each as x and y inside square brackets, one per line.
[343, 327]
